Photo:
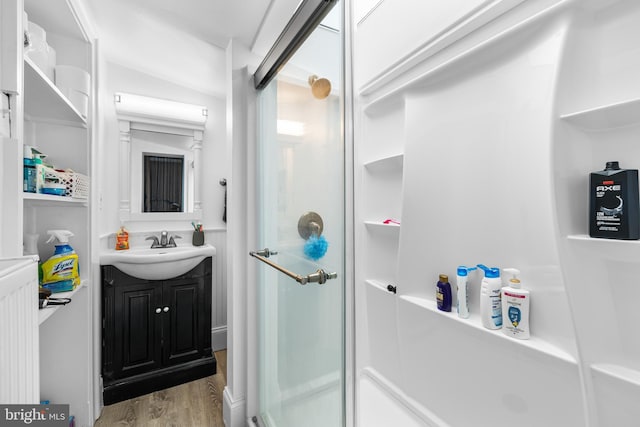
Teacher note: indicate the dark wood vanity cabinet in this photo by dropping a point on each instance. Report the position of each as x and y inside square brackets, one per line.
[155, 333]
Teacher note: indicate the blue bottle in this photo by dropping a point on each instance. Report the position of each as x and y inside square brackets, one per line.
[443, 293]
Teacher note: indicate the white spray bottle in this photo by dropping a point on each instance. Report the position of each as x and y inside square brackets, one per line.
[461, 290]
[515, 307]
[490, 305]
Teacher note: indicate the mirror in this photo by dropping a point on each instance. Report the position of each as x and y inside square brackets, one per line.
[163, 183]
[160, 145]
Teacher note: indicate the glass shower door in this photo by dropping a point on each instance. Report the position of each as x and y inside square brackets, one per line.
[301, 193]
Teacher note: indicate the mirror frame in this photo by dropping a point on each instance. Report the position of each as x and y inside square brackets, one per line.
[137, 112]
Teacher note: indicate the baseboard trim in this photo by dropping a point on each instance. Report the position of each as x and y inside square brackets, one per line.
[137, 385]
[219, 338]
[233, 411]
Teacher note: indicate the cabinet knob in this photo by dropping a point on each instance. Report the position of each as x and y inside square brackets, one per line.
[158, 310]
[165, 309]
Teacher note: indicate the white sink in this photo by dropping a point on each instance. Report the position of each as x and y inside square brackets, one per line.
[158, 263]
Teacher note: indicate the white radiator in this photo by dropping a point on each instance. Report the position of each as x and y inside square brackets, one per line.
[19, 341]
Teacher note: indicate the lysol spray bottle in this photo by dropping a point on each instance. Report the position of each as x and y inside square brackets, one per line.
[490, 302]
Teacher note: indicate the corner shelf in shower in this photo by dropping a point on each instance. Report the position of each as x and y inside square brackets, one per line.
[617, 372]
[386, 164]
[535, 343]
[608, 116]
[380, 226]
[620, 250]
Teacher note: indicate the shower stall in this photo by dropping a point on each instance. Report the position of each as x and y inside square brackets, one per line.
[301, 243]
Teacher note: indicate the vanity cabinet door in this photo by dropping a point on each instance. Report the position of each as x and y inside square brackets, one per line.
[183, 320]
[155, 333]
[137, 328]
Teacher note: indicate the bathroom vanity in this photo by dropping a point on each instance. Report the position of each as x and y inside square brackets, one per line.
[156, 333]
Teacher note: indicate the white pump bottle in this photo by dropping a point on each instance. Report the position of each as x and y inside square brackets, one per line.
[490, 305]
[515, 307]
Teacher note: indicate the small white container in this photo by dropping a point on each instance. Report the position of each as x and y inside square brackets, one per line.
[30, 244]
[75, 84]
[69, 78]
[42, 55]
[80, 101]
[36, 33]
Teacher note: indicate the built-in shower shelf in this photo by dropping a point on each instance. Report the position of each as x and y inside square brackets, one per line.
[383, 286]
[474, 322]
[618, 372]
[380, 226]
[620, 250]
[619, 114]
[386, 164]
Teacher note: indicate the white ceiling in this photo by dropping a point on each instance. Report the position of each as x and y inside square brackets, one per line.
[186, 41]
[212, 21]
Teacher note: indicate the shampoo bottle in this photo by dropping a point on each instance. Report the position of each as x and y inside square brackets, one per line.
[515, 307]
[614, 208]
[443, 293]
[490, 304]
[461, 290]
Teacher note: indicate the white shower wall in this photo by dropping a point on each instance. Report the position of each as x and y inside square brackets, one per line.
[460, 136]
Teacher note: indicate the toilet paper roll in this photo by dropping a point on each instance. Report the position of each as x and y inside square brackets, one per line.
[80, 101]
[73, 78]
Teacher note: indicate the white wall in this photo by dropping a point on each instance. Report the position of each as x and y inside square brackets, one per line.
[117, 78]
[141, 56]
[469, 107]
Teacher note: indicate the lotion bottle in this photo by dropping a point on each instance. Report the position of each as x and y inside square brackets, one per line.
[515, 307]
[443, 293]
[461, 290]
[490, 303]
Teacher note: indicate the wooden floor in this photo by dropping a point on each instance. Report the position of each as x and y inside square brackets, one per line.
[194, 404]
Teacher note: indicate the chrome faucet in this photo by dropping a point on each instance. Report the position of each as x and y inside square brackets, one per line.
[165, 241]
[163, 238]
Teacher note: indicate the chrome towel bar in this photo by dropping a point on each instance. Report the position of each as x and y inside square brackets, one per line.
[320, 276]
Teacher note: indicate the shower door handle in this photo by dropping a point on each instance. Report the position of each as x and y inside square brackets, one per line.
[320, 276]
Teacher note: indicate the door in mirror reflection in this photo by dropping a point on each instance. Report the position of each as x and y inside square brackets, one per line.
[163, 183]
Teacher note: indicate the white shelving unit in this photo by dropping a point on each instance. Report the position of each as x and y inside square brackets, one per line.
[389, 163]
[56, 127]
[44, 102]
[619, 114]
[382, 161]
[38, 199]
[49, 310]
[474, 322]
[601, 122]
[377, 225]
